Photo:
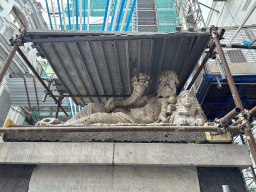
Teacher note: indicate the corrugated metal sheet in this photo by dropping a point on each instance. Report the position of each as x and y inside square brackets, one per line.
[19, 97]
[103, 63]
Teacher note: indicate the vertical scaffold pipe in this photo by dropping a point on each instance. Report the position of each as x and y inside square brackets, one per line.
[53, 11]
[105, 15]
[80, 14]
[61, 26]
[106, 24]
[130, 15]
[120, 15]
[48, 11]
[84, 15]
[69, 20]
[63, 15]
[230, 79]
[125, 13]
[113, 15]
[88, 15]
[76, 14]
[8, 61]
[73, 15]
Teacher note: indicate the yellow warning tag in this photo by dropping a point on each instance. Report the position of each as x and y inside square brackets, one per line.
[7, 123]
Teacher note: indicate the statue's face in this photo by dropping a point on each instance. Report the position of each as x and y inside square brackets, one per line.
[187, 100]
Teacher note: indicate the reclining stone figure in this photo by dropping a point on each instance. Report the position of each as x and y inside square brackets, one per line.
[138, 108]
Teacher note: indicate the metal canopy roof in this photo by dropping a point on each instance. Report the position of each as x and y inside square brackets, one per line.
[103, 63]
[36, 92]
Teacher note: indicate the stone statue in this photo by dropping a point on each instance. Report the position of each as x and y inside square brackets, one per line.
[166, 107]
[138, 108]
[188, 111]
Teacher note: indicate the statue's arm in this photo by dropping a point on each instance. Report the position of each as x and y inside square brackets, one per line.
[140, 83]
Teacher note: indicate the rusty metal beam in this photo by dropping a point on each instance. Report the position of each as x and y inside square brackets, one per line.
[36, 92]
[39, 78]
[26, 89]
[224, 120]
[230, 79]
[16, 129]
[207, 56]
[205, 94]
[8, 61]
[95, 95]
[233, 89]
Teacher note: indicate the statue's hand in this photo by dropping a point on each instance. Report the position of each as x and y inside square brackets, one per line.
[110, 105]
[49, 122]
[198, 122]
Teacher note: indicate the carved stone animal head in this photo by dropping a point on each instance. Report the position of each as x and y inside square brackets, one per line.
[168, 81]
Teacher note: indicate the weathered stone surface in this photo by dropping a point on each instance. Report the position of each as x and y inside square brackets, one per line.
[169, 137]
[114, 179]
[182, 154]
[52, 153]
[125, 154]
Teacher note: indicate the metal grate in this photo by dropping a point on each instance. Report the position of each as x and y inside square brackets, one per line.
[245, 55]
[236, 56]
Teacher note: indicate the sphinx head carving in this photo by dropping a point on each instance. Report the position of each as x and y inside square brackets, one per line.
[186, 99]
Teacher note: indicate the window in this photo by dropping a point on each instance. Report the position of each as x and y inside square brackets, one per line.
[17, 18]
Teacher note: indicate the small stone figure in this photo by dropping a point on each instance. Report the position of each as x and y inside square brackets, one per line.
[188, 111]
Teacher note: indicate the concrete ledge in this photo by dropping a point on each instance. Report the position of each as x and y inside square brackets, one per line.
[131, 136]
[124, 154]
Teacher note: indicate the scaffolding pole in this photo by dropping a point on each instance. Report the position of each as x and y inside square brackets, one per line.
[11, 55]
[233, 89]
[40, 79]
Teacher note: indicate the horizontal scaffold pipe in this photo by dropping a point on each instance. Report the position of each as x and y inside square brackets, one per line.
[146, 128]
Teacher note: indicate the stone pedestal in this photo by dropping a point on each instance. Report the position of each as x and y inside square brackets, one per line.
[113, 179]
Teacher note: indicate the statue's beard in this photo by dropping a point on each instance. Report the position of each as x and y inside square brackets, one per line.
[166, 91]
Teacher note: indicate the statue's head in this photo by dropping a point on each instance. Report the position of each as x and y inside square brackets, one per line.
[186, 98]
[168, 81]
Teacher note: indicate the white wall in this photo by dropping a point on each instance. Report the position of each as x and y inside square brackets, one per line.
[231, 13]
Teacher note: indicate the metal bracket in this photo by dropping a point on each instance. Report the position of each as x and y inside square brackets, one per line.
[19, 38]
